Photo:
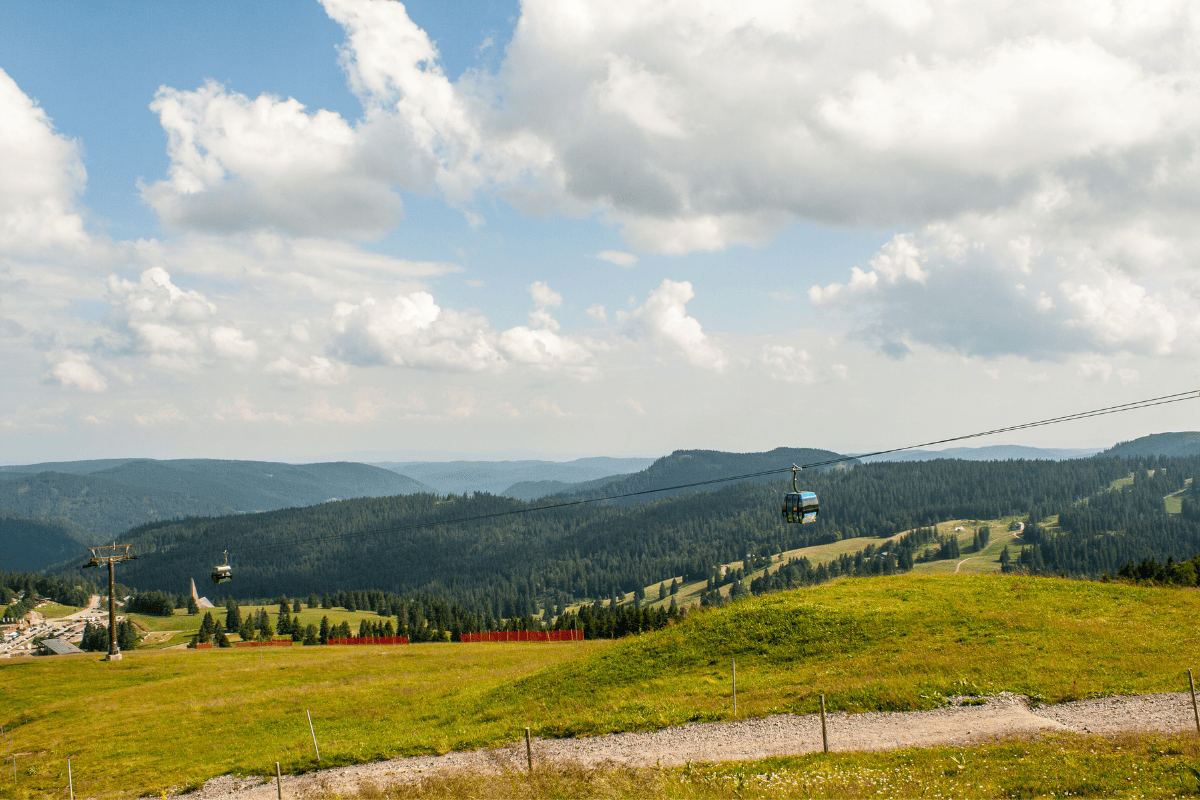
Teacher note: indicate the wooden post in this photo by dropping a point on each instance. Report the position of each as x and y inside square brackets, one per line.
[735, 688]
[1192, 684]
[278, 781]
[70, 780]
[314, 734]
[528, 751]
[824, 735]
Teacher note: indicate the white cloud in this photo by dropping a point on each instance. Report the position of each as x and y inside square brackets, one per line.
[240, 164]
[74, 369]
[317, 369]
[41, 178]
[413, 331]
[539, 343]
[618, 257]
[663, 319]
[172, 326]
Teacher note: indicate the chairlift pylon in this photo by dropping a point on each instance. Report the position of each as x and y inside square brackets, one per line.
[799, 506]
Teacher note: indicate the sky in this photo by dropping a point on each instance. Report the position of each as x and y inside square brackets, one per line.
[560, 228]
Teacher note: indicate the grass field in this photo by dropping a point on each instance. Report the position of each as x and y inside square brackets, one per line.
[1051, 765]
[176, 718]
[180, 628]
[55, 611]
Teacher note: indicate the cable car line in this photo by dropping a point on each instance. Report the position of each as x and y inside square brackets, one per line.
[1099, 412]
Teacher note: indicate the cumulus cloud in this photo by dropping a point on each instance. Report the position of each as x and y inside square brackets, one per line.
[41, 179]
[412, 330]
[694, 126]
[539, 342]
[173, 327]
[239, 164]
[75, 369]
[1016, 283]
[663, 320]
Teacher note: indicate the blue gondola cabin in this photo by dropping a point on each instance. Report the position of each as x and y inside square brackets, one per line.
[800, 507]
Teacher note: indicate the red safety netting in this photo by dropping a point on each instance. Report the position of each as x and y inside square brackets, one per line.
[371, 640]
[524, 636]
[269, 643]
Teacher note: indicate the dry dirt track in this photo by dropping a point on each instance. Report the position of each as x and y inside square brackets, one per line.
[786, 734]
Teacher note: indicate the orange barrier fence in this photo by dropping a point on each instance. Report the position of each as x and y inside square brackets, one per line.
[524, 636]
[371, 640]
[268, 643]
[207, 646]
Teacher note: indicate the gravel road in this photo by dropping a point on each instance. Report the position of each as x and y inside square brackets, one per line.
[785, 734]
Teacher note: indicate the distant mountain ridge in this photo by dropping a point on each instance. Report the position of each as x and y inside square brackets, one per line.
[996, 452]
[466, 477]
[101, 498]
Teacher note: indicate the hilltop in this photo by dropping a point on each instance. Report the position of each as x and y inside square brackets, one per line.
[1175, 445]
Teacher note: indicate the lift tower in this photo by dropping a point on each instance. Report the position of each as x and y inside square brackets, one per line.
[110, 554]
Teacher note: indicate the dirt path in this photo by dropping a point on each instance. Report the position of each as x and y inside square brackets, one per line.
[786, 734]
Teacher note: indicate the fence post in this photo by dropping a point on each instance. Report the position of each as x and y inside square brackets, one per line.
[528, 750]
[1192, 684]
[824, 735]
[735, 688]
[278, 782]
[70, 780]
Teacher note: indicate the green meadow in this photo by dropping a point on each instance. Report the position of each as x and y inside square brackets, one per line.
[171, 719]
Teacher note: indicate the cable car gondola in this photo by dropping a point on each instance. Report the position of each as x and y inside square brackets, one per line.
[799, 506]
[223, 573]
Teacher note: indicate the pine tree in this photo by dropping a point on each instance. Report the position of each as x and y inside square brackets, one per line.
[127, 638]
[208, 626]
[222, 639]
[192, 607]
[233, 616]
[313, 602]
[674, 586]
[662, 591]
[311, 636]
[296, 606]
[324, 631]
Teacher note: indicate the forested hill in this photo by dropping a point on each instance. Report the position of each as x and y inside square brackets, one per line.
[507, 562]
[102, 498]
[693, 466]
[27, 545]
[1174, 445]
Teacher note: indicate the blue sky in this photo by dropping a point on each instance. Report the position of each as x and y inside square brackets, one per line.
[285, 230]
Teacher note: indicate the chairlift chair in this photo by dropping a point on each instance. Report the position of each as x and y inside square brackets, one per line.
[799, 506]
[223, 573]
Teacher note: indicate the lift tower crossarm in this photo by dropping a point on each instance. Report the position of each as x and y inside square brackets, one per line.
[110, 554]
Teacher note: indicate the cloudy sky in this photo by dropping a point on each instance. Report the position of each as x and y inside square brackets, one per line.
[563, 228]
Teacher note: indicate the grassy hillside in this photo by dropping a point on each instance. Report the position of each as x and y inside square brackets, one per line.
[883, 643]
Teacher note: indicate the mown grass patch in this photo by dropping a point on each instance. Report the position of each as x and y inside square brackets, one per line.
[1051, 765]
[55, 610]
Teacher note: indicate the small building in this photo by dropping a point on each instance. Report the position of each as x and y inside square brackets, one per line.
[57, 647]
